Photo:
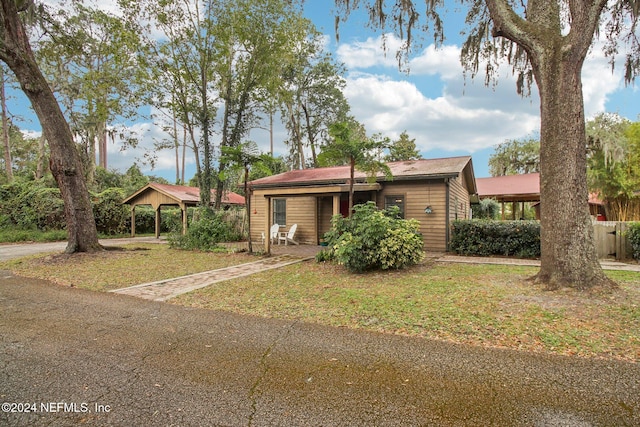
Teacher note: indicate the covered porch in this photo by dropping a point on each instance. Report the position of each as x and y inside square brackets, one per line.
[310, 207]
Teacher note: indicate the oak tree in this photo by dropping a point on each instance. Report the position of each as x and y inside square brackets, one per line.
[546, 42]
[65, 163]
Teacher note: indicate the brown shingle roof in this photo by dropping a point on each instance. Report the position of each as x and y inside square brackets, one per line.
[412, 169]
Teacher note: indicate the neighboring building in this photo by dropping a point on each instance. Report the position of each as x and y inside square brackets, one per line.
[524, 188]
[512, 189]
[158, 195]
[433, 191]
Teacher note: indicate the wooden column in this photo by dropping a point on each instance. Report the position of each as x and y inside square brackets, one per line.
[133, 220]
[336, 204]
[267, 226]
[158, 222]
[183, 209]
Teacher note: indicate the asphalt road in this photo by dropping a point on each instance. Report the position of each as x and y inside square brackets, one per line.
[16, 250]
[73, 357]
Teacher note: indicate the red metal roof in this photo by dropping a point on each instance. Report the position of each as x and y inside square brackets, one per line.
[516, 186]
[509, 185]
[185, 194]
[339, 174]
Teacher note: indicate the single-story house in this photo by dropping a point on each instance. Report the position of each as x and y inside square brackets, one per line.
[433, 191]
[158, 195]
[524, 188]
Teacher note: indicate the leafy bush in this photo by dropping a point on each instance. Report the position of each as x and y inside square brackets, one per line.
[110, 214]
[373, 239]
[633, 234]
[486, 209]
[486, 238]
[205, 232]
[31, 205]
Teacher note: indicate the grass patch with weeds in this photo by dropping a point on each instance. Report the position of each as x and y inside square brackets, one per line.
[119, 267]
[487, 305]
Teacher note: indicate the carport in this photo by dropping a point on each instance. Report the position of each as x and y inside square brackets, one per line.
[158, 195]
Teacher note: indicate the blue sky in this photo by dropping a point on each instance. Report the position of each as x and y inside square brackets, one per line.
[446, 115]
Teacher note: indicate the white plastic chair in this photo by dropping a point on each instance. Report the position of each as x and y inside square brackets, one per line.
[288, 236]
[273, 233]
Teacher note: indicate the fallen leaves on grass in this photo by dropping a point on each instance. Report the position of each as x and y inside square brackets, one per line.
[121, 267]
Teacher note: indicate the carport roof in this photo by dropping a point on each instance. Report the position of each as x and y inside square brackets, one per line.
[510, 187]
[182, 194]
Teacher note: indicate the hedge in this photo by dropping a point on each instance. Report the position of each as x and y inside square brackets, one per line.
[633, 234]
[487, 238]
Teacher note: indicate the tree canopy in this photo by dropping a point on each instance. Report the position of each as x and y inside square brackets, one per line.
[515, 157]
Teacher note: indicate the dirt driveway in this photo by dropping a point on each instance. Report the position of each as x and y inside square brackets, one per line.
[70, 357]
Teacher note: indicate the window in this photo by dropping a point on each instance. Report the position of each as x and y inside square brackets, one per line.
[395, 201]
[280, 211]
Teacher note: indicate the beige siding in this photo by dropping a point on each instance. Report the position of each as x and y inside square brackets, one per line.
[303, 211]
[325, 212]
[417, 197]
[155, 199]
[458, 200]
[313, 214]
[258, 217]
[300, 210]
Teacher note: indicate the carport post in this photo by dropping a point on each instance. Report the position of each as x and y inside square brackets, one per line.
[184, 218]
[133, 220]
[158, 222]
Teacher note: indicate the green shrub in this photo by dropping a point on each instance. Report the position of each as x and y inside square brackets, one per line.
[633, 234]
[205, 232]
[111, 215]
[373, 239]
[486, 238]
[486, 209]
[31, 205]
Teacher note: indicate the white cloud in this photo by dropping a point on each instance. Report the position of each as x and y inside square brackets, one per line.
[457, 115]
[372, 52]
[442, 110]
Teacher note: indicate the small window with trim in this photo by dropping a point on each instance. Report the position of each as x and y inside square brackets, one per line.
[280, 211]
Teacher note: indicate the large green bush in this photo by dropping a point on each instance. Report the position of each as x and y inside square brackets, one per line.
[486, 238]
[111, 215]
[373, 239]
[205, 232]
[633, 234]
[31, 205]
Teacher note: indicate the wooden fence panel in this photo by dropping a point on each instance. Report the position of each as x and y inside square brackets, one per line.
[611, 240]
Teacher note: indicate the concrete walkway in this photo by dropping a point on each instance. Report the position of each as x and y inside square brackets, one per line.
[166, 289]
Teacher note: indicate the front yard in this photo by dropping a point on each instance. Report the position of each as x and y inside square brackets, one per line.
[484, 305]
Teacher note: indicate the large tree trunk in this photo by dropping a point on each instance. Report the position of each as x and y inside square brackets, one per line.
[65, 162]
[568, 250]
[8, 164]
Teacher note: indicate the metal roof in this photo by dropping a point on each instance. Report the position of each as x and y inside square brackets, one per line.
[185, 194]
[510, 185]
[412, 169]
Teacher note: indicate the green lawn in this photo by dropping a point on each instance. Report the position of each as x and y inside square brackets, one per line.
[486, 305]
